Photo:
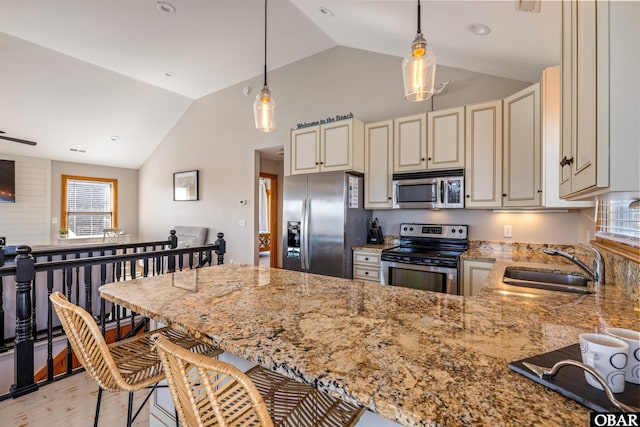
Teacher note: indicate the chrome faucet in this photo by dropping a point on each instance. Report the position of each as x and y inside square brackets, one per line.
[597, 274]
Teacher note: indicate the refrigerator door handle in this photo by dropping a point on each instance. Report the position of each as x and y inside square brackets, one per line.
[307, 215]
[303, 228]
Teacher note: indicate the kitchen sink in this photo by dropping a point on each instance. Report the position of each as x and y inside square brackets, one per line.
[547, 280]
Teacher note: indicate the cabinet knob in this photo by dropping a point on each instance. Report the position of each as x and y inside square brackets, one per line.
[366, 273]
[504, 194]
[389, 198]
[422, 159]
[429, 158]
[317, 163]
[322, 163]
[565, 162]
[468, 196]
[539, 191]
[366, 258]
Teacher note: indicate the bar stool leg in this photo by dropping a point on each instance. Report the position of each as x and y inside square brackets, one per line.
[97, 414]
[130, 410]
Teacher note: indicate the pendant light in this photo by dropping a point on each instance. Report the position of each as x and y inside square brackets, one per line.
[419, 68]
[264, 107]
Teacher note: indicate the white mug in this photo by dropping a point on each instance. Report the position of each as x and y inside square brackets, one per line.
[608, 356]
[631, 337]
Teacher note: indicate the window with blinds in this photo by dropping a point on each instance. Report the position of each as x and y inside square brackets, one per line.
[619, 220]
[89, 205]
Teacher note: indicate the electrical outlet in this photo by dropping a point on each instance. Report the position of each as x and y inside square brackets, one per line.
[242, 223]
[507, 231]
[3, 241]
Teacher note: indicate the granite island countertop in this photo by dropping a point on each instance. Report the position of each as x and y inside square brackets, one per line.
[415, 357]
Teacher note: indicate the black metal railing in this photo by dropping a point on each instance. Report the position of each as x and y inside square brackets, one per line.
[78, 272]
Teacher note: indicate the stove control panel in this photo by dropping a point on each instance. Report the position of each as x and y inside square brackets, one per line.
[441, 231]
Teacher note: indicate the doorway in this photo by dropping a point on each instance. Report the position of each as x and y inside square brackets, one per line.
[268, 219]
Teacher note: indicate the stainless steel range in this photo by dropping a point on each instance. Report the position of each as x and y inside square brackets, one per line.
[427, 258]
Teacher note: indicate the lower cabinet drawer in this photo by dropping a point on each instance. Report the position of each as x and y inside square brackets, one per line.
[366, 273]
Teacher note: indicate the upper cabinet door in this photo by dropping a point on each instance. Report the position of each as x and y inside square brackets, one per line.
[305, 150]
[586, 111]
[336, 146]
[445, 138]
[410, 143]
[522, 152]
[483, 174]
[378, 164]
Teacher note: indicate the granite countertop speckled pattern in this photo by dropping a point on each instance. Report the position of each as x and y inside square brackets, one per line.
[415, 357]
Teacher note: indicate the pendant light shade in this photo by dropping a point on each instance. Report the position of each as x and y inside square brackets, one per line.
[419, 68]
[264, 107]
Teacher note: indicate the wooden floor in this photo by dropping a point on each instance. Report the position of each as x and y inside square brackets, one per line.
[70, 402]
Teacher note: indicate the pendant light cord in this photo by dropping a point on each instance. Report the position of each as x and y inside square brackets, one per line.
[265, 43]
[419, 29]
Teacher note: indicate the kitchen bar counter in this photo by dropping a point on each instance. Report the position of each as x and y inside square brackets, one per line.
[415, 357]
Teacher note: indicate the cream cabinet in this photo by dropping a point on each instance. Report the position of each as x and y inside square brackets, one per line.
[329, 147]
[483, 158]
[521, 179]
[410, 143]
[445, 138]
[366, 265]
[599, 147]
[474, 274]
[550, 98]
[581, 86]
[378, 164]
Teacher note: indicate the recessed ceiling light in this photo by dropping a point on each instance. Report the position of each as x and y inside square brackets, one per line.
[165, 7]
[169, 74]
[78, 150]
[114, 138]
[325, 11]
[479, 29]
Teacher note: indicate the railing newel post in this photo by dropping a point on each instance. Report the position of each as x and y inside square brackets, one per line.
[222, 248]
[24, 342]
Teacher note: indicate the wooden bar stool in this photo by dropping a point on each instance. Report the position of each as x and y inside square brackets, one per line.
[128, 365]
[209, 392]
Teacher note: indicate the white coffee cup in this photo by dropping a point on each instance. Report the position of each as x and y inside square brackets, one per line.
[608, 356]
[631, 337]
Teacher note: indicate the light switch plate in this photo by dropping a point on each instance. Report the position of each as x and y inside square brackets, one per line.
[507, 231]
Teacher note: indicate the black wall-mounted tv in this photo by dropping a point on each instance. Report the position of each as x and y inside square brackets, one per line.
[7, 181]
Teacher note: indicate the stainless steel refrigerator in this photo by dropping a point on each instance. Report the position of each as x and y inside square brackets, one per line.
[324, 217]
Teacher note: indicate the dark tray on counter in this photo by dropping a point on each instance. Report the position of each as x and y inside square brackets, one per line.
[570, 381]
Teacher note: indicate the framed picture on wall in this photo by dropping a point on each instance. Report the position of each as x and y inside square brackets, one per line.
[185, 186]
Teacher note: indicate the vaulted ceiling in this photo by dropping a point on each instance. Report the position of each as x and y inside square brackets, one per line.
[75, 73]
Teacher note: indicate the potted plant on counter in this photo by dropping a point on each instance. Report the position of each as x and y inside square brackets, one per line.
[63, 233]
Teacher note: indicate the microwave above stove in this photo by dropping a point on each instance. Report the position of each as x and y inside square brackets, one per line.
[429, 190]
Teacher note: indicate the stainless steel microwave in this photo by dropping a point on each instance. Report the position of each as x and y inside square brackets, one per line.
[429, 190]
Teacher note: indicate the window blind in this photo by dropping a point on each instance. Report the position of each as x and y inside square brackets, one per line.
[89, 207]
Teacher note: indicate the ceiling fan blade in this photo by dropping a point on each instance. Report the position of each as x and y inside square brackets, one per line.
[22, 141]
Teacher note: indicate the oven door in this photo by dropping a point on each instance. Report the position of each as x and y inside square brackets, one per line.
[423, 277]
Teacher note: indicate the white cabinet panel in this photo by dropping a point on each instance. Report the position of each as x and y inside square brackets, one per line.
[483, 159]
[445, 138]
[336, 145]
[305, 151]
[378, 165]
[410, 143]
[522, 150]
[474, 274]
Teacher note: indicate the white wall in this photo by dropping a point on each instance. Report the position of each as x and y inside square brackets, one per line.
[26, 222]
[216, 135]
